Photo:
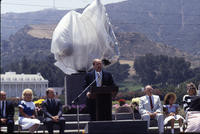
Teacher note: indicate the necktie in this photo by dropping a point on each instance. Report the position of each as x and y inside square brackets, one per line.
[151, 103]
[98, 80]
[1, 108]
[2, 113]
[52, 102]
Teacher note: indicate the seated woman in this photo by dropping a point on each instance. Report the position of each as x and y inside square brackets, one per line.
[194, 116]
[191, 93]
[27, 118]
[171, 111]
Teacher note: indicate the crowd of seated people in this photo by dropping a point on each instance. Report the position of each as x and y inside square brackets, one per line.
[148, 107]
[51, 109]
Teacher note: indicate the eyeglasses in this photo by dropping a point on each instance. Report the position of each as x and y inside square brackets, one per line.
[27, 94]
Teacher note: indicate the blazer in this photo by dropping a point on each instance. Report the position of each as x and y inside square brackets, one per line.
[50, 109]
[9, 110]
[107, 79]
[144, 104]
[195, 104]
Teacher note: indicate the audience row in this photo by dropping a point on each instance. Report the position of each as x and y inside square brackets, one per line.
[149, 107]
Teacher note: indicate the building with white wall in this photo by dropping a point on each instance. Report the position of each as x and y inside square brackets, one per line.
[14, 84]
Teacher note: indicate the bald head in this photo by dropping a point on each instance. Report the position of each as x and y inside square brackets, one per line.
[2, 95]
[148, 90]
[50, 93]
[97, 65]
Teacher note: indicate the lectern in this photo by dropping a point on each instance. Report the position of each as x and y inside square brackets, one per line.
[104, 102]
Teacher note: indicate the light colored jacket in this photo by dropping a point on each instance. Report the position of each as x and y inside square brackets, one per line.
[144, 104]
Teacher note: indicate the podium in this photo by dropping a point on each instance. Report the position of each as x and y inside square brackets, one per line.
[104, 102]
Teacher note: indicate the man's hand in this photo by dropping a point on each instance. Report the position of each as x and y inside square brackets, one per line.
[32, 117]
[55, 118]
[3, 120]
[89, 95]
[152, 115]
[172, 114]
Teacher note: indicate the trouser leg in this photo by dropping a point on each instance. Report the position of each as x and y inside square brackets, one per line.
[49, 126]
[146, 117]
[10, 125]
[160, 120]
[62, 125]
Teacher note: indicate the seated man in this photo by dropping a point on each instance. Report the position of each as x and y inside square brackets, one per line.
[52, 109]
[6, 112]
[150, 107]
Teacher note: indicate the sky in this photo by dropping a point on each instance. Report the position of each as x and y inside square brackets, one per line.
[20, 6]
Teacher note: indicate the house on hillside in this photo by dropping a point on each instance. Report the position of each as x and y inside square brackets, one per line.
[14, 84]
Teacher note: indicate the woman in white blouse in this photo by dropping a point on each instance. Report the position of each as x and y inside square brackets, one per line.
[27, 119]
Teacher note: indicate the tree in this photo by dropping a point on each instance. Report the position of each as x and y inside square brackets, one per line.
[25, 65]
[47, 69]
[119, 71]
[162, 69]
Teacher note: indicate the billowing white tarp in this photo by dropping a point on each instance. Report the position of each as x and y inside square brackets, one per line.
[80, 38]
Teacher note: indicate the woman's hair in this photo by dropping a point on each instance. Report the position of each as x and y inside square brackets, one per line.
[191, 86]
[27, 91]
[168, 97]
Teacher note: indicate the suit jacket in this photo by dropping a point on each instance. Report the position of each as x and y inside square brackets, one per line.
[9, 111]
[144, 104]
[107, 79]
[195, 104]
[50, 109]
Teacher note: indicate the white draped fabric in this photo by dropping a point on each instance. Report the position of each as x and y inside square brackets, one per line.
[80, 38]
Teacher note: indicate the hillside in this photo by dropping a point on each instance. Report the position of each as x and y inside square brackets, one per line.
[171, 22]
[34, 42]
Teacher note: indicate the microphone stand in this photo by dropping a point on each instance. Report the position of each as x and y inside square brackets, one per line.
[76, 100]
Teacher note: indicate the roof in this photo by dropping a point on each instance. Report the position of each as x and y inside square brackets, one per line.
[13, 77]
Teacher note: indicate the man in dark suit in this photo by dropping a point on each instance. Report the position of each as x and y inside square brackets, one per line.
[6, 112]
[102, 78]
[52, 109]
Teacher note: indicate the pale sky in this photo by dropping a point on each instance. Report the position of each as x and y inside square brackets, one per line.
[20, 6]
